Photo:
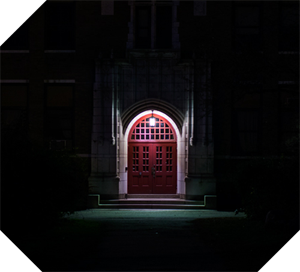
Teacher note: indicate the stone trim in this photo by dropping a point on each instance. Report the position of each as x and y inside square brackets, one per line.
[14, 51]
[152, 104]
[59, 51]
[18, 81]
[59, 81]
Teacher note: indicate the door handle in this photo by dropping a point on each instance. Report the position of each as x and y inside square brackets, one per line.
[153, 171]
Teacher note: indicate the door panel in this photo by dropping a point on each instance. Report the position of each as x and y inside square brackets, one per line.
[139, 175]
[152, 168]
[169, 180]
[135, 180]
[165, 178]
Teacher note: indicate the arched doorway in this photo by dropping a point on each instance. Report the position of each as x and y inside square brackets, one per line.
[152, 157]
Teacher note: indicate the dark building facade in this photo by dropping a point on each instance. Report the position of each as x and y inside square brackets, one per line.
[220, 80]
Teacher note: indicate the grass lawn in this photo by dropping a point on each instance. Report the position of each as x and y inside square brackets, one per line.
[245, 245]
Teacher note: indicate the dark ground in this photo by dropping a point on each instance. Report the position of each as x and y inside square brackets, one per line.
[153, 241]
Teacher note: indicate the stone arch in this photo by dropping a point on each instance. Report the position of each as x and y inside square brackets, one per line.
[152, 104]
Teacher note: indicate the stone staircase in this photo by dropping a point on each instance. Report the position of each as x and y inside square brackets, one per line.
[161, 201]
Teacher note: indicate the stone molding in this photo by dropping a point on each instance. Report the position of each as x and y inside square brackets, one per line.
[152, 104]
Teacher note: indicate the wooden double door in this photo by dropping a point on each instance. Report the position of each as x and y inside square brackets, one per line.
[152, 168]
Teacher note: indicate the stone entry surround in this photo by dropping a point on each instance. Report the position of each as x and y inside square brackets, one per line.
[159, 81]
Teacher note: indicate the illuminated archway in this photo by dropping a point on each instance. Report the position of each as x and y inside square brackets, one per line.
[152, 156]
[123, 154]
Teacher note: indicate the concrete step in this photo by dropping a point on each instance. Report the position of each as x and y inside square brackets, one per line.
[150, 206]
[153, 196]
[152, 202]
[173, 201]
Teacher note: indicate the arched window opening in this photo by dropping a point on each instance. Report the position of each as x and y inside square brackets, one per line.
[161, 131]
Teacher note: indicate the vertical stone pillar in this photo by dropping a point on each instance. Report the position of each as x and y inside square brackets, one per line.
[200, 181]
[104, 180]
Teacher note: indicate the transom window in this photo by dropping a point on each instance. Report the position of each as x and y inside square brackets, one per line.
[161, 131]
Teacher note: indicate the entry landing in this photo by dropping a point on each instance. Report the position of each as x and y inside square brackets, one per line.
[152, 201]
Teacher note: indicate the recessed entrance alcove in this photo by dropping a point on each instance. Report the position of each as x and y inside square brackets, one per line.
[152, 159]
